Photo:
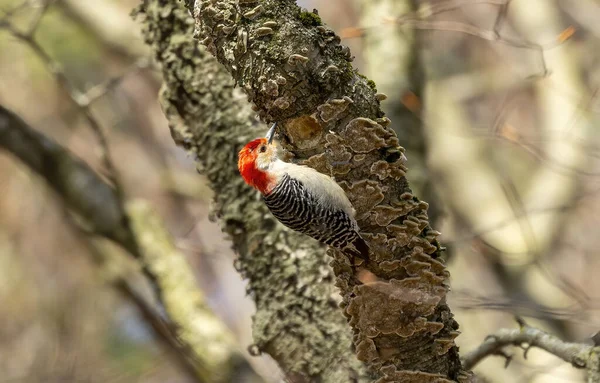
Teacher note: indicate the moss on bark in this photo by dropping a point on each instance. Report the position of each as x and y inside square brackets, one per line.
[297, 321]
[330, 119]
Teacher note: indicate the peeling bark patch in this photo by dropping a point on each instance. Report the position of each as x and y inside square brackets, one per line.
[400, 233]
[281, 103]
[383, 215]
[443, 345]
[254, 12]
[366, 135]
[263, 31]
[304, 131]
[337, 154]
[270, 87]
[319, 162]
[407, 233]
[297, 59]
[412, 300]
[366, 350]
[333, 109]
[384, 169]
[380, 245]
[364, 195]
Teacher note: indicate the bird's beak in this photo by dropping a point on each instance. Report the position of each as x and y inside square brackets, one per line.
[271, 134]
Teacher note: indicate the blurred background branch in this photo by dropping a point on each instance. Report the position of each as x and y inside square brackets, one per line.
[207, 342]
[577, 354]
[108, 23]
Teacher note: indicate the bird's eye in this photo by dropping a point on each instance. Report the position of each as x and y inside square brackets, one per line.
[263, 149]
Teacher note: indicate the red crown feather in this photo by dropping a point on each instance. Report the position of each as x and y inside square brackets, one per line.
[253, 176]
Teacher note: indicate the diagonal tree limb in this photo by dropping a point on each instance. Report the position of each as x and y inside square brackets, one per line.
[210, 354]
[297, 319]
[82, 190]
[119, 276]
[295, 72]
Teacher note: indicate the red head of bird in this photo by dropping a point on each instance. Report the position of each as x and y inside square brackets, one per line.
[254, 161]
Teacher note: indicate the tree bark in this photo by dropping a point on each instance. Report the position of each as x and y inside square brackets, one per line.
[297, 319]
[295, 72]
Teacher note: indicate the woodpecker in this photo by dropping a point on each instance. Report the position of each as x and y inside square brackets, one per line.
[301, 198]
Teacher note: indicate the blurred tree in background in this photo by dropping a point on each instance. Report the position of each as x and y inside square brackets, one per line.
[495, 102]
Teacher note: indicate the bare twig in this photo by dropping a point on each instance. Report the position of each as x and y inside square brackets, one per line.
[120, 278]
[165, 330]
[8, 13]
[428, 10]
[578, 354]
[109, 24]
[33, 26]
[546, 158]
[504, 223]
[77, 97]
[574, 313]
[420, 19]
[98, 91]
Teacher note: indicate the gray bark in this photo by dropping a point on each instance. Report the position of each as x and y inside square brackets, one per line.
[295, 72]
[297, 321]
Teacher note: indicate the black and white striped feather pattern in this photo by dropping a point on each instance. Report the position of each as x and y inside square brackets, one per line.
[297, 208]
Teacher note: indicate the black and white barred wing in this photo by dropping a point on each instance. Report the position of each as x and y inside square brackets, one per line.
[297, 208]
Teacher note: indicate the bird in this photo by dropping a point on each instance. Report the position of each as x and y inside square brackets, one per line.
[302, 198]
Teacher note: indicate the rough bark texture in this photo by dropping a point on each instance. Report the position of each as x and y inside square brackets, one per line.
[297, 321]
[295, 71]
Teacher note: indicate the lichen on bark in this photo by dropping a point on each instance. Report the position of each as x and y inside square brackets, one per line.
[297, 319]
[299, 75]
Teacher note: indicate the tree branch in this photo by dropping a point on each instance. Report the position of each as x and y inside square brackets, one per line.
[297, 319]
[579, 355]
[77, 97]
[77, 184]
[211, 354]
[295, 71]
[211, 343]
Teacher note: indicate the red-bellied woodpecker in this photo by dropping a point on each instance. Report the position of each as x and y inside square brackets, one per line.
[302, 198]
